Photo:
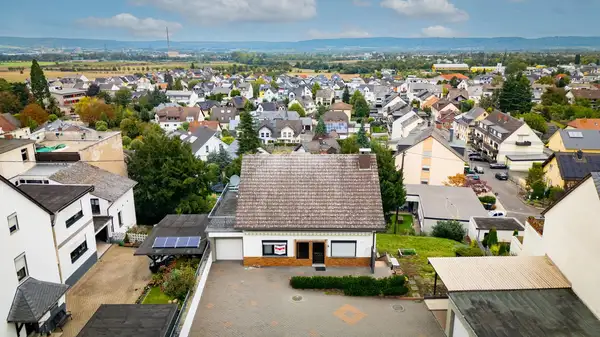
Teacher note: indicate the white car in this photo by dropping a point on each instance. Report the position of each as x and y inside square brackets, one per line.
[497, 213]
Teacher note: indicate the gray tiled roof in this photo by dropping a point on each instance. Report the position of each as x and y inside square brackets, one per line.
[11, 144]
[56, 197]
[308, 192]
[573, 168]
[596, 178]
[33, 298]
[196, 139]
[589, 140]
[107, 185]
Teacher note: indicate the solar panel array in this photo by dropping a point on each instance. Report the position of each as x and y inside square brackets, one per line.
[177, 242]
[575, 134]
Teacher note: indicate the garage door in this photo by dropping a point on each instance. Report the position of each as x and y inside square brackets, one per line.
[229, 249]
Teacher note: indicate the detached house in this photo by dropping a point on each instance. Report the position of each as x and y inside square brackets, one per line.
[587, 94]
[203, 141]
[567, 169]
[286, 131]
[569, 140]
[257, 222]
[172, 118]
[343, 107]
[324, 97]
[464, 124]
[336, 121]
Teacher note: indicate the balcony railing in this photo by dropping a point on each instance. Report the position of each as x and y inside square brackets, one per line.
[523, 143]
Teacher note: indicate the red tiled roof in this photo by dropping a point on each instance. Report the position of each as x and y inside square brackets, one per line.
[6, 125]
[585, 123]
[448, 77]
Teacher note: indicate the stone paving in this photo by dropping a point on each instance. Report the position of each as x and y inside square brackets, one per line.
[117, 278]
[240, 301]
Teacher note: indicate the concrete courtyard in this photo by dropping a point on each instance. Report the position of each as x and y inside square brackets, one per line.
[117, 278]
[240, 301]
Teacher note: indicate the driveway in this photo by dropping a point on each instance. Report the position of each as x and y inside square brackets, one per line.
[507, 194]
[259, 302]
[117, 278]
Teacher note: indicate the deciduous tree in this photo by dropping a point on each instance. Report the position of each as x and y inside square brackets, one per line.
[554, 95]
[9, 103]
[91, 110]
[391, 181]
[459, 180]
[316, 87]
[33, 115]
[235, 93]
[298, 108]
[92, 90]
[535, 121]
[123, 97]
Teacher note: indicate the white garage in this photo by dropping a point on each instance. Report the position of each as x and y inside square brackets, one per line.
[229, 249]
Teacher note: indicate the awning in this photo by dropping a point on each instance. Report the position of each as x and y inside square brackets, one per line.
[100, 222]
[33, 299]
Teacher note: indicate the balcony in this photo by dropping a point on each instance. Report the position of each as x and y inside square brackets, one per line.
[523, 143]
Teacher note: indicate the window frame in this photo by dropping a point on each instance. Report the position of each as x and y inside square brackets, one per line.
[24, 154]
[75, 217]
[26, 267]
[120, 218]
[426, 168]
[80, 251]
[332, 243]
[16, 225]
[273, 243]
[93, 205]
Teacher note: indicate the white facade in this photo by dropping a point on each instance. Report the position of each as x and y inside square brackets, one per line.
[524, 133]
[429, 164]
[214, 144]
[17, 161]
[124, 205]
[401, 129]
[32, 239]
[478, 234]
[253, 241]
[266, 135]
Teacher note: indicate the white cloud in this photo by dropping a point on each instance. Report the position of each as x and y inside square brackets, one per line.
[427, 9]
[216, 11]
[349, 33]
[361, 3]
[146, 27]
[439, 31]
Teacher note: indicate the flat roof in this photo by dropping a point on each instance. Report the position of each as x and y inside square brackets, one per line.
[527, 157]
[500, 223]
[526, 313]
[176, 225]
[447, 202]
[226, 206]
[70, 145]
[131, 320]
[498, 273]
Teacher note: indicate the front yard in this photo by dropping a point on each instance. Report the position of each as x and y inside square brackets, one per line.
[416, 266]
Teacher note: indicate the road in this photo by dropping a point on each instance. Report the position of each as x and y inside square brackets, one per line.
[507, 194]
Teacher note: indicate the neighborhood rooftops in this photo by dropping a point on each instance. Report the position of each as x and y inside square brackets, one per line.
[107, 185]
[501, 224]
[56, 197]
[447, 202]
[585, 123]
[575, 166]
[11, 144]
[309, 192]
[196, 139]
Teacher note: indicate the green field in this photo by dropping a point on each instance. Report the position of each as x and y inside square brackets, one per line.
[26, 64]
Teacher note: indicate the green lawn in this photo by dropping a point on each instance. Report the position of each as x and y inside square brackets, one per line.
[424, 245]
[156, 296]
[401, 228]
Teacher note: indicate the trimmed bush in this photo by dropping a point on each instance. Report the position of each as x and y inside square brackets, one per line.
[468, 251]
[449, 229]
[353, 285]
[488, 199]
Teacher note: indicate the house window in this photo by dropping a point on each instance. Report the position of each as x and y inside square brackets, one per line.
[426, 168]
[207, 149]
[424, 181]
[274, 248]
[302, 250]
[343, 248]
[24, 155]
[13, 223]
[262, 135]
[79, 251]
[70, 221]
[95, 206]
[120, 216]
[21, 267]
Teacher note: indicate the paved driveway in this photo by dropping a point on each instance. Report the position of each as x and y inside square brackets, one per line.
[258, 302]
[117, 278]
[507, 194]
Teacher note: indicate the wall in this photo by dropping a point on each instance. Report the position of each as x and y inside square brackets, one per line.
[126, 205]
[555, 142]
[213, 144]
[444, 163]
[68, 268]
[524, 133]
[516, 247]
[475, 234]
[61, 231]
[106, 154]
[533, 243]
[571, 241]
[34, 238]
[459, 329]
[429, 223]
[11, 162]
[552, 174]
[412, 164]
[252, 242]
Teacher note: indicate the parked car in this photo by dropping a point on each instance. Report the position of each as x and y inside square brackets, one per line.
[501, 176]
[473, 176]
[479, 169]
[476, 158]
[497, 213]
[498, 166]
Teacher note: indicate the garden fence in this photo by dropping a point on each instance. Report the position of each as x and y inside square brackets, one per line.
[133, 237]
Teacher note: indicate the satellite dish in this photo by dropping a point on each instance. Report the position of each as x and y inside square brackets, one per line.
[234, 180]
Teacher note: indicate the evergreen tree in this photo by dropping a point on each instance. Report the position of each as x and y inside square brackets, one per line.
[492, 238]
[361, 137]
[516, 95]
[320, 130]
[391, 181]
[346, 95]
[578, 59]
[39, 85]
[92, 90]
[248, 138]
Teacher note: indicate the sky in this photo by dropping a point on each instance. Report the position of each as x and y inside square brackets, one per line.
[295, 20]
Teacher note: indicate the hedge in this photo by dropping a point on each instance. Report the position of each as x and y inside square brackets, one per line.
[353, 285]
[488, 199]
[469, 251]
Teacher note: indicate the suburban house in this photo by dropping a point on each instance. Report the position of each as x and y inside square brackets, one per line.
[343, 107]
[569, 140]
[335, 226]
[306, 102]
[10, 127]
[585, 124]
[32, 296]
[16, 156]
[72, 226]
[428, 158]
[443, 106]
[67, 98]
[464, 123]
[479, 227]
[324, 97]
[319, 145]
[203, 141]
[188, 98]
[336, 121]
[172, 118]
[246, 90]
[508, 140]
[404, 125]
[214, 125]
[567, 169]
[223, 114]
[584, 94]
[277, 130]
[431, 204]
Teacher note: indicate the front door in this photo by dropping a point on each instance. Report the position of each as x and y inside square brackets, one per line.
[318, 253]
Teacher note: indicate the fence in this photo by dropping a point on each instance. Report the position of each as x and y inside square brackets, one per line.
[133, 237]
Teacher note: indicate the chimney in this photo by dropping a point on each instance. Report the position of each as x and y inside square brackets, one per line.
[451, 135]
[364, 159]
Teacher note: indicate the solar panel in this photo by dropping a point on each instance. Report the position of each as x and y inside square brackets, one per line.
[194, 242]
[159, 242]
[171, 242]
[575, 134]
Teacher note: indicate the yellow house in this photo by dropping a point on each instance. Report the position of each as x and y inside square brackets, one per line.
[428, 159]
[573, 140]
[566, 169]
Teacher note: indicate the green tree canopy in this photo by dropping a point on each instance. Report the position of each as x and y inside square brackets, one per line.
[170, 179]
[235, 93]
[346, 95]
[39, 85]
[535, 121]
[320, 130]
[361, 137]
[449, 229]
[298, 108]
[316, 87]
[554, 95]
[361, 108]
[101, 126]
[248, 138]
[123, 97]
[516, 95]
[391, 181]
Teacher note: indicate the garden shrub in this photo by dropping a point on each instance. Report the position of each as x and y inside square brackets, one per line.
[179, 282]
[468, 251]
[488, 199]
[495, 249]
[353, 285]
[492, 238]
[449, 229]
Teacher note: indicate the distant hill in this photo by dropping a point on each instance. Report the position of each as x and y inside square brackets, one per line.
[377, 43]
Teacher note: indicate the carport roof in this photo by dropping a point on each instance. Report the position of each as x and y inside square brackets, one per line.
[531, 313]
[176, 225]
[131, 320]
[500, 223]
[447, 202]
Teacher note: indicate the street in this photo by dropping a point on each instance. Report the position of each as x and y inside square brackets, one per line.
[506, 193]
